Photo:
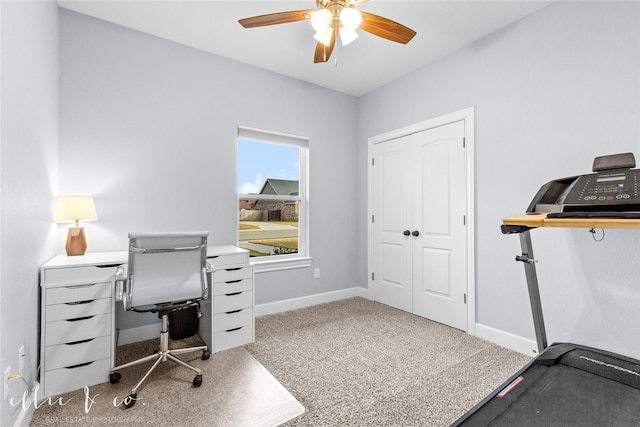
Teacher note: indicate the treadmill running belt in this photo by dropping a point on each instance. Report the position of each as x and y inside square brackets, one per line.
[580, 387]
[568, 396]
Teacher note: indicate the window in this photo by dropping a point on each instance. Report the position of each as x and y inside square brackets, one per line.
[272, 198]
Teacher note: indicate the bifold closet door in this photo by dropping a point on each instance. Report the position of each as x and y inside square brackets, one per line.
[419, 243]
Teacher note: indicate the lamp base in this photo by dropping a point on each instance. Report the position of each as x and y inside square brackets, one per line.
[76, 242]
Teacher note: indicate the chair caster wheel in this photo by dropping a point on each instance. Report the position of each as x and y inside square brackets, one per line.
[130, 400]
[206, 354]
[114, 377]
[197, 381]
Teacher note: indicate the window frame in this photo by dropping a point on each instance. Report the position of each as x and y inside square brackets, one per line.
[301, 258]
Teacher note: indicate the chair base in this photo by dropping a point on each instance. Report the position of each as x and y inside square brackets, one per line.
[163, 355]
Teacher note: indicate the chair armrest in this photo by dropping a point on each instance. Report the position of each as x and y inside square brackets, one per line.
[206, 275]
[120, 282]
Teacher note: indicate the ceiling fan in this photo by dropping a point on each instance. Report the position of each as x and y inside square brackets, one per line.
[333, 17]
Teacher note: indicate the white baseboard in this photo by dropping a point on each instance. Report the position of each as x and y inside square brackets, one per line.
[308, 301]
[364, 293]
[507, 340]
[140, 333]
[496, 336]
[147, 332]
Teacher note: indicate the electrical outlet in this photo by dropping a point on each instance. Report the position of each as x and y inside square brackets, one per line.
[5, 378]
[21, 360]
[316, 273]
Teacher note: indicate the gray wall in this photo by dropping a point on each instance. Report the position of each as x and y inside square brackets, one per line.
[551, 92]
[28, 176]
[149, 128]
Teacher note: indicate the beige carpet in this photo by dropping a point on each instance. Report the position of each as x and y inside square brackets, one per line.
[349, 363]
[360, 363]
[236, 392]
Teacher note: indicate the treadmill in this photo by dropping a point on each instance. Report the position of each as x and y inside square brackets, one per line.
[569, 384]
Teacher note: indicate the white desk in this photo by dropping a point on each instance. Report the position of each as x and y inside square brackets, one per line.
[77, 322]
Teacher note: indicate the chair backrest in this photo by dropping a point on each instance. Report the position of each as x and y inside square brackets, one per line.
[166, 267]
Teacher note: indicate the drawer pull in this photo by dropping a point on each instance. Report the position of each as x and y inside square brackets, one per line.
[234, 281]
[234, 329]
[88, 285]
[79, 318]
[232, 312]
[213, 256]
[79, 342]
[108, 265]
[232, 294]
[78, 365]
[87, 301]
[233, 269]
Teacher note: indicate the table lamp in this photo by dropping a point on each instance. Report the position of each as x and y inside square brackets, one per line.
[75, 208]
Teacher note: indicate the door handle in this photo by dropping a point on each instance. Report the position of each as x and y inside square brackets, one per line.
[406, 232]
[415, 233]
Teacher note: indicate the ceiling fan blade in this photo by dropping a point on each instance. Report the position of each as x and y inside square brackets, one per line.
[275, 18]
[323, 53]
[386, 28]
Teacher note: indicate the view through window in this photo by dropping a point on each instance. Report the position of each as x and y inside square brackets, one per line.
[271, 194]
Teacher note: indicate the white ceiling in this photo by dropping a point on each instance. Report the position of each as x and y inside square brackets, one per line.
[366, 64]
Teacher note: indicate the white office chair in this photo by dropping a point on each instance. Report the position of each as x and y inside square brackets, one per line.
[166, 272]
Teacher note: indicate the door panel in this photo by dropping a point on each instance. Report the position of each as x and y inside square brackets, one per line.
[392, 255]
[392, 180]
[440, 251]
[436, 187]
[391, 250]
[436, 265]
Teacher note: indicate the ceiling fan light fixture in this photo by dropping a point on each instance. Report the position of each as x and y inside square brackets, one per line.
[331, 17]
[321, 19]
[347, 35]
[350, 18]
[324, 36]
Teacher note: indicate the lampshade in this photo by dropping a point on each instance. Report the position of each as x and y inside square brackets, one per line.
[321, 19]
[347, 35]
[75, 208]
[350, 18]
[324, 36]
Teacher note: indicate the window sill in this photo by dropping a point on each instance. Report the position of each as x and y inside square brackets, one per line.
[280, 264]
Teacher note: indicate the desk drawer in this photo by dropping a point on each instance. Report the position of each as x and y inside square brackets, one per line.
[66, 379]
[76, 274]
[73, 310]
[65, 331]
[74, 293]
[232, 286]
[233, 338]
[230, 302]
[63, 355]
[230, 259]
[234, 319]
[232, 274]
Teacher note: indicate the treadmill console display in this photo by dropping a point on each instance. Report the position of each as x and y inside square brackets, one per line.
[616, 189]
[606, 188]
